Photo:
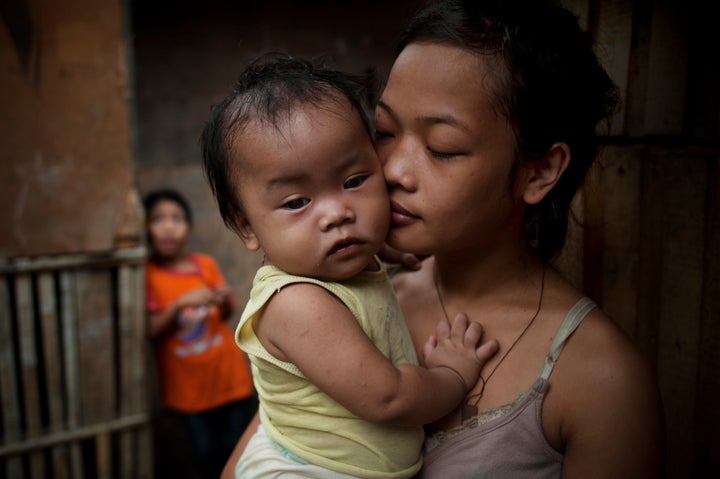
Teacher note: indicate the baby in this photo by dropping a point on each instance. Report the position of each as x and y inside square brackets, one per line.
[290, 159]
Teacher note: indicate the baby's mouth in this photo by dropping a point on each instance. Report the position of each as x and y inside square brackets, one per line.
[343, 245]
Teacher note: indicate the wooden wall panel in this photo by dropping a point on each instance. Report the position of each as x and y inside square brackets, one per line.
[9, 380]
[621, 176]
[667, 68]
[680, 299]
[71, 363]
[51, 340]
[29, 359]
[96, 354]
[707, 439]
[651, 240]
[73, 373]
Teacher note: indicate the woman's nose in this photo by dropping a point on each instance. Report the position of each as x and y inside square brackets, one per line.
[398, 162]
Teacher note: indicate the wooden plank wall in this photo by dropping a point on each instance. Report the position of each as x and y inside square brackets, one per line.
[647, 243]
[72, 367]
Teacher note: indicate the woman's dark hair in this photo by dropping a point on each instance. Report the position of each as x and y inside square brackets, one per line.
[553, 88]
[269, 89]
[167, 194]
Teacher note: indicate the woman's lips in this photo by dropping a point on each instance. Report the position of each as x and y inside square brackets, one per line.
[400, 216]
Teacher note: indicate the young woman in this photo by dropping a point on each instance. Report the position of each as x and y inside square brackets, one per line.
[486, 128]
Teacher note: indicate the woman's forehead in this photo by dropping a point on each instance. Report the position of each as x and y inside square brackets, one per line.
[440, 81]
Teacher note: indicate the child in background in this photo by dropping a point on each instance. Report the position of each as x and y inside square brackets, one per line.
[205, 378]
[290, 159]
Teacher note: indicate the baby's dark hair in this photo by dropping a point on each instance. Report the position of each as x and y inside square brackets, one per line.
[269, 89]
[167, 194]
[552, 89]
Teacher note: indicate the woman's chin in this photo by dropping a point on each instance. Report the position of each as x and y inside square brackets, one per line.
[407, 243]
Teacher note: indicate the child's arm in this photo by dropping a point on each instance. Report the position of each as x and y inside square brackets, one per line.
[307, 326]
[225, 301]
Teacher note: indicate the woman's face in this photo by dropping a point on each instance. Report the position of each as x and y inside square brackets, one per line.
[447, 155]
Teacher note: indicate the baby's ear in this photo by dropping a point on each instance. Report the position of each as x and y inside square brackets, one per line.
[246, 233]
[541, 176]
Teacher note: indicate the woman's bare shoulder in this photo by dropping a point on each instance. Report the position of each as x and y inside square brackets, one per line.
[603, 349]
[603, 396]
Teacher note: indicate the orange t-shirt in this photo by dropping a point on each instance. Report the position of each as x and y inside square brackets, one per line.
[200, 366]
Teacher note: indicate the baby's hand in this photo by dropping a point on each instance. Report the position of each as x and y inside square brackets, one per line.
[459, 347]
[396, 257]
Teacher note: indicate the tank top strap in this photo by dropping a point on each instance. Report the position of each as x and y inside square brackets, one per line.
[572, 320]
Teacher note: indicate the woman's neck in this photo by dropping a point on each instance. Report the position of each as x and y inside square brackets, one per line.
[486, 274]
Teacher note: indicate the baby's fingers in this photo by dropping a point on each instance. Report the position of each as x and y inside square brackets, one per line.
[442, 330]
[473, 334]
[429, 346]
[486, 350]
[459, 328]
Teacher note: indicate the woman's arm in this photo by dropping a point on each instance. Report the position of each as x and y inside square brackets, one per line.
[612, 423]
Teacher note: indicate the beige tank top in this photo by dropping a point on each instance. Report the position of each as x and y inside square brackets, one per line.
[506, 442]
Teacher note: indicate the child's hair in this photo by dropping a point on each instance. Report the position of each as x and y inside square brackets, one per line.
[268, 90]
[552, 89]
[167, 194]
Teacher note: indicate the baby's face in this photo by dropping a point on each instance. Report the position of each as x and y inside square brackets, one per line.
[313, 192]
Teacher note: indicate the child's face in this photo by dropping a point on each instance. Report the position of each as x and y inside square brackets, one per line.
[168, 229]
[448, 156]
[313, 192]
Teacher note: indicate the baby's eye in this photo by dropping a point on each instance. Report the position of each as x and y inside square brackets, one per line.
[354, 182]
[296, 204]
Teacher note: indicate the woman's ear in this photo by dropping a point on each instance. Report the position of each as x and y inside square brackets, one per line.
[246, 233]
[542, 175]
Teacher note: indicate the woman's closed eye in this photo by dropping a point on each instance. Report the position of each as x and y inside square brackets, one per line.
[379, 135]
[442, 155]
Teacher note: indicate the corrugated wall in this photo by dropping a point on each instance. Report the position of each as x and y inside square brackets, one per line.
[650, 250]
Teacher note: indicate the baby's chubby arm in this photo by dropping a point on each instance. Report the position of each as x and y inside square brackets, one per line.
[307, 326]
